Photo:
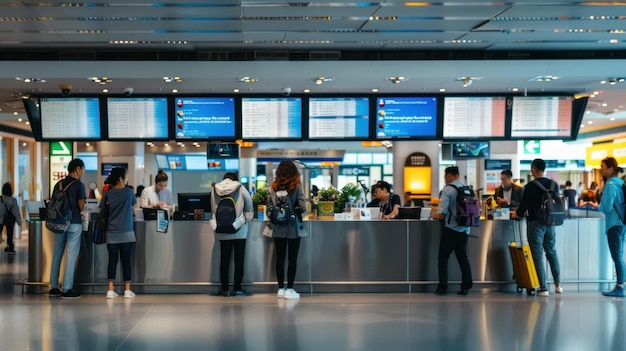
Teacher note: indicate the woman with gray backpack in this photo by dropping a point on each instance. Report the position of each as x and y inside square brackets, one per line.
[287, 223]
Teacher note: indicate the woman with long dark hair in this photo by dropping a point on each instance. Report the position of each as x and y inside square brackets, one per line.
[10, 215]
[120, 231]
[286, 183]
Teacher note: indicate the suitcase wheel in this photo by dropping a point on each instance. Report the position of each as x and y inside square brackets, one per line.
[519, 290]
[530, 292]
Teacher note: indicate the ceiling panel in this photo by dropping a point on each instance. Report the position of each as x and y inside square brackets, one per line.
[148, 26]
[500, 37]
[422, 25]
[441, 11]
[346, 11]
[601, 9]
[301, 25]
[552, 25]
[373, 37]
[551, 46]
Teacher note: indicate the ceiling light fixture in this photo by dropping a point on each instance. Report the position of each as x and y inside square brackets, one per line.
[247, 80]
[172, 79]
[374, 90]
[30, 80]
[321, 80]
[613, 81]
[547, 78]
[397, 80]
[466, 81]
[100, 80]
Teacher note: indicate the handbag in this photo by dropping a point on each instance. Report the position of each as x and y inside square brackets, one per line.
[268, 231]
[99, 234]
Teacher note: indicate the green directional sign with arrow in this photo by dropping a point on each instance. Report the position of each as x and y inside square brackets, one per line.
[532, 147]
[60, 155]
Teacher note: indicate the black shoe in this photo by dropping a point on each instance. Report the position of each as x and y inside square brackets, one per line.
[54, 292]
[70, 295]
[9, 249]
[11, 252]
[441, 292]
[463, 292]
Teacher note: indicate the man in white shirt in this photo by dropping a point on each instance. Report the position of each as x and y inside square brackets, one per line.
[157, 195]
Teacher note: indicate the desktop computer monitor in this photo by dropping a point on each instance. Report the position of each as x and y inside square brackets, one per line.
[187, 202]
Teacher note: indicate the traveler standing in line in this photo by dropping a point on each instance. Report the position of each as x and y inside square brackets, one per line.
[540, 236]
[508, 194]
[571, 194]
[69, 242]
[10, 215]
[157, 195]
[612, 205]
[229, 242]
[453, 236]
[286, 238]
[120, 230]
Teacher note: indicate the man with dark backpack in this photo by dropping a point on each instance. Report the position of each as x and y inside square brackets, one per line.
[540, 207]
[231, 205]
[68, 241]
[454, 235]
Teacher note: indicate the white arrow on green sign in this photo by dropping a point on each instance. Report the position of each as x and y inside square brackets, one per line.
[532, 147]
[61, 148]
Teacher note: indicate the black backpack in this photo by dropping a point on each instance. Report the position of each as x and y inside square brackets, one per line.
[226, 214]
[283, 211]
[467, 207]
[58, 211]
[551, 211]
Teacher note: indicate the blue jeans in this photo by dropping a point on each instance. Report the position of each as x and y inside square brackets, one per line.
[70, 240]
[542, 237]
[615, 236]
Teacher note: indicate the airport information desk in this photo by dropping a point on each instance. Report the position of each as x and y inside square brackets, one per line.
[337, 256]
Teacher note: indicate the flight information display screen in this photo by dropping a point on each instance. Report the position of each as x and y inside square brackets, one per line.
[137, 118]
[70, 118]
[339, 118]
[541, 117]
[271, 118]
[406, 117]
[204, 118]
[474, 117]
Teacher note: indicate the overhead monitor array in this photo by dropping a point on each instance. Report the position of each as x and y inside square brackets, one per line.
[323, 117]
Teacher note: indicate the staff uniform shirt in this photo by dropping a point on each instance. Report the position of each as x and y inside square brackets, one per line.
[612, 199]
[447, 207]
[149, 196]
[394, 199]
[120, 222]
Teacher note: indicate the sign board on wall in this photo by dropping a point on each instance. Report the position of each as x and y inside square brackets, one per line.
[596, 153]
[60, 155]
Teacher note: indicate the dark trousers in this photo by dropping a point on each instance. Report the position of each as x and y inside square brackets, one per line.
[115, 252]
[453, 241]
[226, 249]
[10, 224]
[284, 246]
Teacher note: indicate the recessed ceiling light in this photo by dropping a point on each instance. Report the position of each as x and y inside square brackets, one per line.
[612, 118]
[87, 144]
[515, 89]
[20, 119]
[582, 126]
[397, 80]
[307, 90]
[27, 123]
[15, 113]
[235, 90]
[321, 80]
[100, 80]
[166, 145]
[374, 90]
[174, 91]
[105, 90]
[589, 122]
[247, 80]
[604, 104]
[442, 90]
[172, 79]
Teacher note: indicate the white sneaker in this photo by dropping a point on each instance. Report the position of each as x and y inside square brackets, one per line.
[128, 294]
[291, 294]
[281, 293]
[558, 289]
[544, 293]
[111, 294]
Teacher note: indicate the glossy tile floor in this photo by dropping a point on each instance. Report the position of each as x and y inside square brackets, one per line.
[496, 321]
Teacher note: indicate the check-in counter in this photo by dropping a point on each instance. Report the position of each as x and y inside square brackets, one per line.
[337, 256]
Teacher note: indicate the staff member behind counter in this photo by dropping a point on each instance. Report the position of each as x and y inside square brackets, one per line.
[388, 202]
[157, 195]
[508, 194]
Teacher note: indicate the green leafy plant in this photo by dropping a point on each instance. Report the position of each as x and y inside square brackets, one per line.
[261, 195]
[329, 194]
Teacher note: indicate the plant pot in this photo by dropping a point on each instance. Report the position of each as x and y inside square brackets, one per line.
[326, 210]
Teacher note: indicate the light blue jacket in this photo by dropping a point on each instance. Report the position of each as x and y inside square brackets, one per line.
[612, 199]
[447, 207]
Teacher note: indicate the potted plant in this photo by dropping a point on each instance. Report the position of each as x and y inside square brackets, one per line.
[327, 200]
[259, 199]
[349, 193]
